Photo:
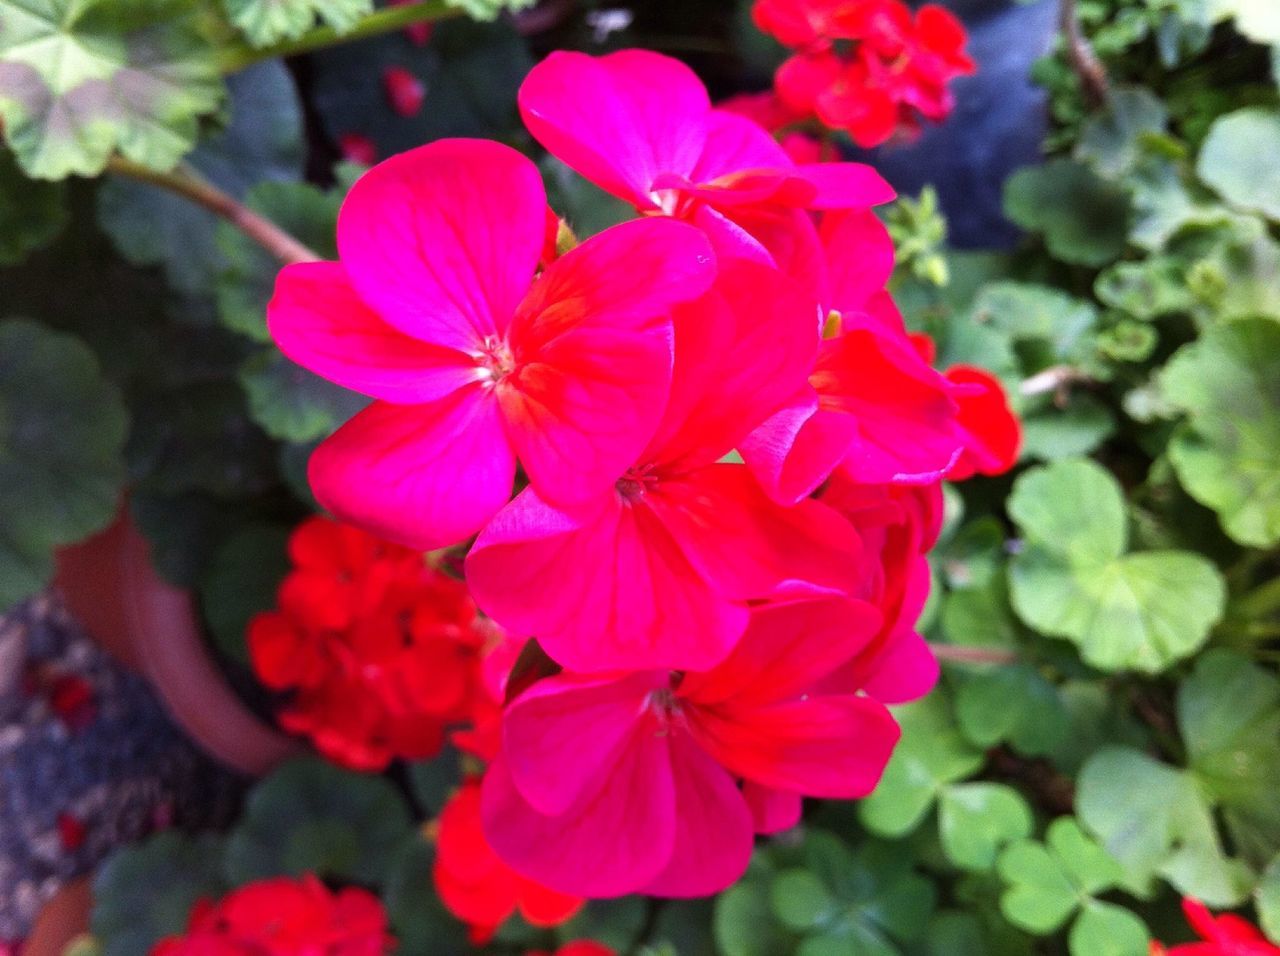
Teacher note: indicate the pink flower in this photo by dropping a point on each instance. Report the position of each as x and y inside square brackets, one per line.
[629, 783]
[358, 148]
[771, 114]
[659, 570]
[405, 91]
[434, 310]
[873, 406]
[649, 135]
[1225, 935]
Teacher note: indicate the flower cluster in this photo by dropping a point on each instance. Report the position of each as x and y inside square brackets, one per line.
[869, 67]
[733, 452]
[381, 652]
[284, 917]
[1224, 935]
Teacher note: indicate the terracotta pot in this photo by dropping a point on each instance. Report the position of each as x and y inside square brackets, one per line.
[112, 588]
[63, 918]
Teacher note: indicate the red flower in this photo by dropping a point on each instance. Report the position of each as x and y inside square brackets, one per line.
[284, 917]
[405, 91]
[381, 651]
[895, 71]
[581, 947]
[357, 148]
[72, 698]
[71, 832]
[991, 431]
[1225, 935]
[477, 886]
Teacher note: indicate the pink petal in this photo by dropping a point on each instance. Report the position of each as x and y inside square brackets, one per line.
[735, 143]
[772, 811]
[608, 591]
[796, 449]
[442, 241]
[319, 322]
[714, 832]
[552, 761]
[646, 114]
[613, 842]
[427, 476]
[785, 651]
[744, 544]
[906, 670]
[860, 256]
[833, 747]
[742, 351]
[791, 239]
[846, 185]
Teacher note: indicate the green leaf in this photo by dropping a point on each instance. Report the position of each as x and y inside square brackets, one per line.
[241, 582]
[1112, 141]
[1240, 159]
[62, 433]
[585, 206]
[489, 9]
[1077, 428]
[1266, 899]
[82, 79]
[247, 280]
[977, 819]
[419, 921]
[1156, 822]
[1125, 611]
[1048, 325]
[1013, 703]
[264, 22]
[31, 213]
[741, 923]
[262, 141]
[1106, 930]
[293, 404]
[1229, 715]
[1084, 219]
[931, 754]
[310, 816]
[145, 892]
[1228, 456]
[1047, 882]
[799, 899]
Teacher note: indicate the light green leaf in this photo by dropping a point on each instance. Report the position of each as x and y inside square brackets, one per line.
[1048, 881]
[1077, 428]
[1111, 141]
[1228, 457]
[31, 213]
[489, 9]
[1106, 930]
[264, 22]
[799, 899]
[742, 924]
[1084, 219]
[1240, 159]
[1013, 703]
[293, 404]
[62, 433]
[1048, 325]
[311, 816]
[1125, 611]
[930, 755]
[82, 79]
[976, 819]
[1266, 899]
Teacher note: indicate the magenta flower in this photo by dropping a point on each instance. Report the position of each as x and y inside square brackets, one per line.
[629, 783]
[659, 569]
[648, 134]
[436, 310]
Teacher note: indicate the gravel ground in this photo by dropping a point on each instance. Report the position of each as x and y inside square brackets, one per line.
[88, 761]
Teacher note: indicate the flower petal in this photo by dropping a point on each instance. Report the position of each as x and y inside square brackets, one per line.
[772, 811]
[796, 450]
[646, 115]
[427, 476]
[318, 321]
[846, 185]
[442, 241]
[624, 594]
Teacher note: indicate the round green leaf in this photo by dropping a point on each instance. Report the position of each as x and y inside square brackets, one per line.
[1040, 897]
[1077, 428]
[293, 404]
[799, 899]
[1013, 703]
[977, 819]
[1266, 898]
[1240, 159]
[310, 816]
[1111, 141]
[1229, 457]
[62, 432]
[145, 892]
[1073, 507]
[242, 581]
[742, 924]
[1106, 930]
[31, 213]
[264, 22]
[1084, 218]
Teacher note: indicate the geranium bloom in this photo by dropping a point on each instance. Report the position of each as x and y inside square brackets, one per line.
[619, 784]
[896, 69]
[474, 883]
[580, 947]
[434, 310]
[769, 112]
[659, 573]
[381, 651]
[648, 134]
[991, 431]
[873, 407]
[284, 917]
[1225, 935]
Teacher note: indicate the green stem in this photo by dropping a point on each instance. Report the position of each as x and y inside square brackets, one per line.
[189, 184]
[966, 654]
[1261, 601]
[385, 20]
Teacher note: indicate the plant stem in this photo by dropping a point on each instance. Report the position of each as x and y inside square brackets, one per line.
[189, 184]
[1092, 74]
[233, 58]
[1261, 601]
[966, 654]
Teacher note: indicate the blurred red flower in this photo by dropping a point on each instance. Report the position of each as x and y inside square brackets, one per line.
[1225, 935]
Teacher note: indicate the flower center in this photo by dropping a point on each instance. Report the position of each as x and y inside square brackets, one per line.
[495, 358]
[636, 482]
[665, 707]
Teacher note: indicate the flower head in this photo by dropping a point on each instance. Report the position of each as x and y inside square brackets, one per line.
[1225, 935]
